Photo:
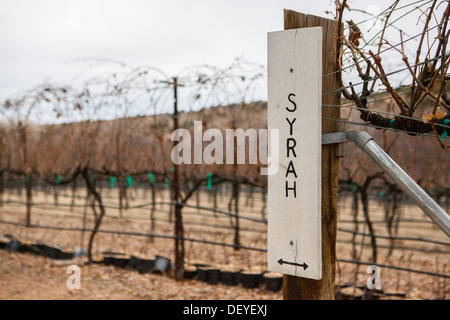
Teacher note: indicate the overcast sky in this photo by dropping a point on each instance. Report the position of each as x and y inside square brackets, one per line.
[41, 39]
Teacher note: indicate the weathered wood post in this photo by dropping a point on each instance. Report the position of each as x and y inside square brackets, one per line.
[301, 288]
[179, 232]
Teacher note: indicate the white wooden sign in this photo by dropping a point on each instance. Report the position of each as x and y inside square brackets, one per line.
[294, 192]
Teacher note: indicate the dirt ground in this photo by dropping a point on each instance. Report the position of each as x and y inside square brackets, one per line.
[26, 276]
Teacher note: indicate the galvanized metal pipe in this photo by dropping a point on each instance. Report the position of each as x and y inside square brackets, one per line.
[366, 143]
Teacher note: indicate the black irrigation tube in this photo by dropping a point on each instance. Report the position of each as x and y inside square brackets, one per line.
[145, 205]
[243, 229]
[77, 215]
[141, 207]
[383, 221]
[247, 218]
[49, 205]
[397, 248]
[383, 112]
[72, 215]
[427, 227]
[214, 243]
[188, 223]
[364, 124]
[107, 216]
[126, 233]
[223, 212]
[37, 204]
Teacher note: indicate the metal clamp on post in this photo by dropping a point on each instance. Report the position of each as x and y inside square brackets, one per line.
[337, 137]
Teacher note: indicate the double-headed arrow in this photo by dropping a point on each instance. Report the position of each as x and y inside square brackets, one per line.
[303, 265]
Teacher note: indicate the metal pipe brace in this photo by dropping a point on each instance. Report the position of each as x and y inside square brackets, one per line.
[366, 143]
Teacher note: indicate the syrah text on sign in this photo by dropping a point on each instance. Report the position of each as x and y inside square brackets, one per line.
[294, 192]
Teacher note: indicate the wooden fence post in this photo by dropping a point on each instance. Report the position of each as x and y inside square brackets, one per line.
[295, 288]
[179, 232]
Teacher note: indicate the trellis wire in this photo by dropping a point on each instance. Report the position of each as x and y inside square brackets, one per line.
[383, 112]
[212, 243]
[127, 233]
[231, 214]
[108, 216]
[387, 266]
[146, 205]
[387, 74]
[379, 127]
[396, 237]
[394, 10]
[384, 50]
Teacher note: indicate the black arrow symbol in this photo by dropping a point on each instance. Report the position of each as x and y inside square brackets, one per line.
[303, 265]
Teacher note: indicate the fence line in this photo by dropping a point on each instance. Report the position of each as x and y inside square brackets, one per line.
[396, 247]
[239, 216]
[396, 237]
[435, 274]
[421, 249]
[127, 233]
[387, 266]
[146, 205]
[229, 214]
[149, 220]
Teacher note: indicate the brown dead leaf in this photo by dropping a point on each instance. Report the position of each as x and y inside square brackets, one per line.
[355, 33]
[427, 117]
[440, 114]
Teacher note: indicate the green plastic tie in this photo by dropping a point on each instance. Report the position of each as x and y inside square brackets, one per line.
[391, 123]
[445, 133]
[209, 181]
[130, 181]
[152, 178]
[113, 181]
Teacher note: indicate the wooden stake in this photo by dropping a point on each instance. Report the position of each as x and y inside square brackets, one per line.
[295, 288]
[179, 232]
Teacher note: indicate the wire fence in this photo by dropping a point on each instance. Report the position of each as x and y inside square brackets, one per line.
[202, 215]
